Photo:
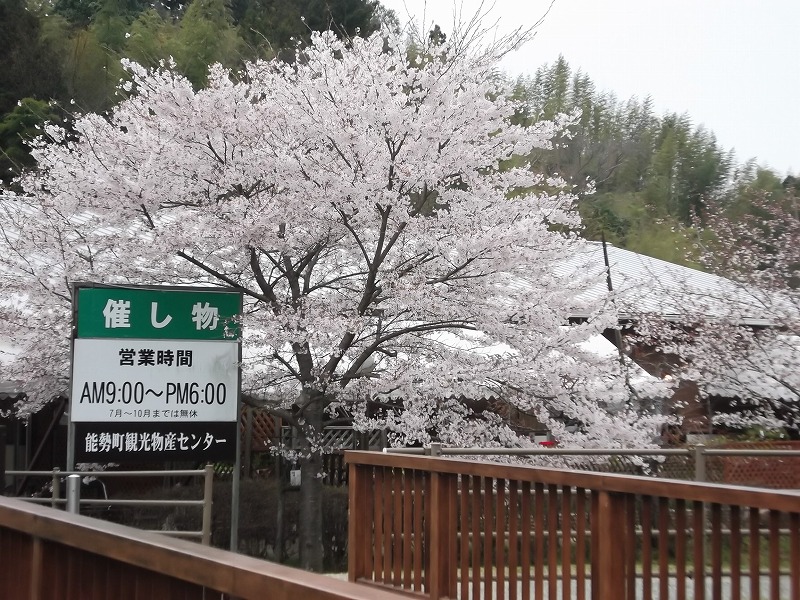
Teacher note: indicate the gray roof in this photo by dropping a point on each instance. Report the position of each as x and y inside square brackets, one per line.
[646, 285]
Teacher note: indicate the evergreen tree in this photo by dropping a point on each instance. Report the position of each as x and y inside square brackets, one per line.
[30, 67]
[17, 129]
[205, 36]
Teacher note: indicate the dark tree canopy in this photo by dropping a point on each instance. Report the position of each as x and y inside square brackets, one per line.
[29, 67]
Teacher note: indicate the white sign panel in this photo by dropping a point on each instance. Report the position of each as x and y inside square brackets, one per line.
[125, 380]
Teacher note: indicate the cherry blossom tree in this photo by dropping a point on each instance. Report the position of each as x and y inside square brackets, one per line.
[356, 198]
[730, 335]
[751, 351]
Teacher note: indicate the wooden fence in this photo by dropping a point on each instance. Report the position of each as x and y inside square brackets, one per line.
[443, 527]
[47, 554]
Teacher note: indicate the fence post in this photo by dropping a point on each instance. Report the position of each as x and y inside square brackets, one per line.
[55, 487]
[435, 449]
[359, 535]
[700, 473]
[608, 540]
[73, 494]
[442, 558]
[208, 492]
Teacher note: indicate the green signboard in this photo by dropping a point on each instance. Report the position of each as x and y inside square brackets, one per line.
[164, 313]
[155, 373]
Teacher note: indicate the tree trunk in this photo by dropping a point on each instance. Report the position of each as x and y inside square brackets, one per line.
[310, 529]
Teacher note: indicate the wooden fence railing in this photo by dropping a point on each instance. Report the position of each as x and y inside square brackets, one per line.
[443, 527]
[47, 554]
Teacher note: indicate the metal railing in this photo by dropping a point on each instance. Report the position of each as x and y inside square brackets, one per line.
[55, 498]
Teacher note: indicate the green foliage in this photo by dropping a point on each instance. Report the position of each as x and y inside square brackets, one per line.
[110, 25]
[149, 39]
[651, 174]
[92, 72]
[30, 67]
[77, 12]
[70, 50]
[269, 26]
[205, 36]
[17, 128]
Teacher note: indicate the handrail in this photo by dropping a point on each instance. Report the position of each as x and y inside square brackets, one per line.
[47, 548]
[609, 482]
[151, 473]
[443, 450]
[207, 473]
[433, 450]
[699, 455]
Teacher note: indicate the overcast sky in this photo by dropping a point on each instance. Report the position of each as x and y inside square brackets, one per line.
[732, 65]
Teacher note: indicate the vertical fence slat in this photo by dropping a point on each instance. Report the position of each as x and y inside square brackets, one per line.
[630, 546]
[794, 543]
[580, 542]
[755, 566]
[488, 529]
[408, 529]
[442, 540]
[477, 544]
[100, 581]
[379, 541]
[552, 541]
[566, 542]
[397, 526]
[526, 540]
[500, 544]
[36, 574]
[539, 533]
[594, 508]
[608, 572]
[513, 538]
[680, 548]
[736, 553]
[774, 555]
[464, 528]
[428, 509]
[420, 536]
[698, 513]
[388, 522]
[647, 547]
[452, 528]
[716, 551]
[663, 548]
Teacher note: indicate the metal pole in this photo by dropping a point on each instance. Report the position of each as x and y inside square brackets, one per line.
[700, 463]
[208, 491]
[70, 445]
[70, 425]
[2, 460]
[384, 439]
[56, 487]
[73, 494]
[237, 467]
[248, 441]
